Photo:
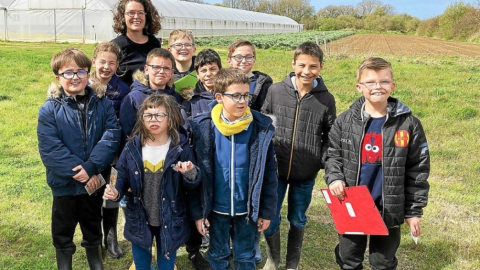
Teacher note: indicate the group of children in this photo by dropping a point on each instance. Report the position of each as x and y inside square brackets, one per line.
[218, 159]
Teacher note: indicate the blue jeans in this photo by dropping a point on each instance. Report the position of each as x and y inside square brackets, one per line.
[143, 257]
[242, 233]
[299, 198]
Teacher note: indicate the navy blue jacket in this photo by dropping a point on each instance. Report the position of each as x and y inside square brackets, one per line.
[116, 91]
[199, 101]
[175, 228]
[131, 103]
[263, 181]
[64, 142]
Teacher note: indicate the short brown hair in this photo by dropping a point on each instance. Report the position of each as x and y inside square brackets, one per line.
[68, 55]
[309, 48]
[152, 23]
[160, 52]
[174, 117]
[180, 34]
[229, 76]
[239, 43]
[374, 63]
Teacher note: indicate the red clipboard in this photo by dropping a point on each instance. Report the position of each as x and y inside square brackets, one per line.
[357, 213]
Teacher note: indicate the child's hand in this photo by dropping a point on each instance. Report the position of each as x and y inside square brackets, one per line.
[82, 175]
[262, 224]
[110, 193]
[337, 189]
[414, 224]
[93, 183]
[183, 167]
[202, 226]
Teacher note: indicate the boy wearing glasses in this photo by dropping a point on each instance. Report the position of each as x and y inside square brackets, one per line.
[182, 47]
[241, 54]
[235, 154]
[158, 72]
[304, 111]
[78, 137]
[380, 144]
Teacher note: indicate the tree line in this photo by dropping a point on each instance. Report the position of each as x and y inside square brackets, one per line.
[460, 21]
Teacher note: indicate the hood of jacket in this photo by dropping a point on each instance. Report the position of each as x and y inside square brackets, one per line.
[321, 87]
[141, 84]
[394, 108]
[55, 90]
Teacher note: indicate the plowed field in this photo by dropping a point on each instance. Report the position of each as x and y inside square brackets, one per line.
[378, 44]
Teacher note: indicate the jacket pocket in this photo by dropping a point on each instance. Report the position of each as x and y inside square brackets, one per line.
[57, 182]
[136, 228]
[179, 227]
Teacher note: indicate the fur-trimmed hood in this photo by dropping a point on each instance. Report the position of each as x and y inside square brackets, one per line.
[56, 91]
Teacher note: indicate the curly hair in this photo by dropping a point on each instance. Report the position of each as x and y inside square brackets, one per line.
[152, 23]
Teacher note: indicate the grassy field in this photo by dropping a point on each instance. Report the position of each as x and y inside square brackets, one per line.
[443, 91]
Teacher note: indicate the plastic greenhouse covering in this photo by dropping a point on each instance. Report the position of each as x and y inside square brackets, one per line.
[92, 20]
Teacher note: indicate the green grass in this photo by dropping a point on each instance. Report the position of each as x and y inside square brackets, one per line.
[444, 92]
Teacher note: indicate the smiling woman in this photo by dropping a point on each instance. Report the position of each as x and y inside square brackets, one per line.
[137, 22]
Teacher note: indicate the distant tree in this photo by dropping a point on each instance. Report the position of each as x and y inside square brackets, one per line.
[297, 10]
[367, 7]
[451, 17]
[250, 5]
[332, 11]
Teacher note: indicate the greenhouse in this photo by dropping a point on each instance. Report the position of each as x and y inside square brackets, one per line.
[91, 20]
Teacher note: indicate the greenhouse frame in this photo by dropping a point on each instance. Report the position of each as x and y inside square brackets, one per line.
[89, 21]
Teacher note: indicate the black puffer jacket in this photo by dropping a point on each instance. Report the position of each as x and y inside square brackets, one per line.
[261, 89]
[301, 128]
[405, 160]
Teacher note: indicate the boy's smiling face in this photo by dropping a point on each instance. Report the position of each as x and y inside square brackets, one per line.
[306, 68]
[243, 64]
[105, 65]
[183, 54]
[206, 74]
[74, 86]
[381, 88]
[159, 79]
[231, 109]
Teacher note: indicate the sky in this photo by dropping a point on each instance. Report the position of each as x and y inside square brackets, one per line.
[422, 9]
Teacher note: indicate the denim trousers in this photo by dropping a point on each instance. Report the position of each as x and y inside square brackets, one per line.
[143, 257]
[242, 233]
[299, 198]
[68, 212]
[350, 251]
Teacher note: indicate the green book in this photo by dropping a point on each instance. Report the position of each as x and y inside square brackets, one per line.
[188, 81]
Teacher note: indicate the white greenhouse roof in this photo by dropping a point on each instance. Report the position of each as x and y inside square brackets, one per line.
[171, 9]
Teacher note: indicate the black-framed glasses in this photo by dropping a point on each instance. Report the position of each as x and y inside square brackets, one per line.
[133, 13]
[157, 69]
[371, 85]
[68, 75]
[238, 97]
[179, 46]
[148, 117]
[239, 58]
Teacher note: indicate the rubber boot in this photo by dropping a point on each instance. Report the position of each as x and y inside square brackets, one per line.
[64, 261]
[294, 247]
[94, 258]
[110, 218]
[273, 251]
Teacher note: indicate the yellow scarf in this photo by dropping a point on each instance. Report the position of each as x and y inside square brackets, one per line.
[233, 128]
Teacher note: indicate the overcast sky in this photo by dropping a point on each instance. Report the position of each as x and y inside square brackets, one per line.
[422, 9]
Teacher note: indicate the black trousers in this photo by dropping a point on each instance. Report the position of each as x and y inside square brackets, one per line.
[194, 243]
[68, 211]
[350, 251]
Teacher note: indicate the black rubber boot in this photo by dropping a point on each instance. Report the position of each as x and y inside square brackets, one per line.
[110, 218]
[273, 251]
[64, 261]
[94, 258]
[294, 247]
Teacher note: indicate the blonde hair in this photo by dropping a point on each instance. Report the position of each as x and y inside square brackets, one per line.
[174, 117]
[180, 34]
[374, 63]
[239, 43]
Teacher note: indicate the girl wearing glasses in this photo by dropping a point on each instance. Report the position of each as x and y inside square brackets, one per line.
[136, 22]
[156, 164]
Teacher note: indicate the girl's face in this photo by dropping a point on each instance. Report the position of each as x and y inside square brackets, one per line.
[134, 16]
[156, 121]
[105, 65]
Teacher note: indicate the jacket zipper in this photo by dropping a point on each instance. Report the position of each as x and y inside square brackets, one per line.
[232, 177]
[364, 124]
[293, 137]
[383, 170]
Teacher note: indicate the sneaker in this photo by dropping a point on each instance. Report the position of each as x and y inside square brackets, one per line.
[198, 261]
